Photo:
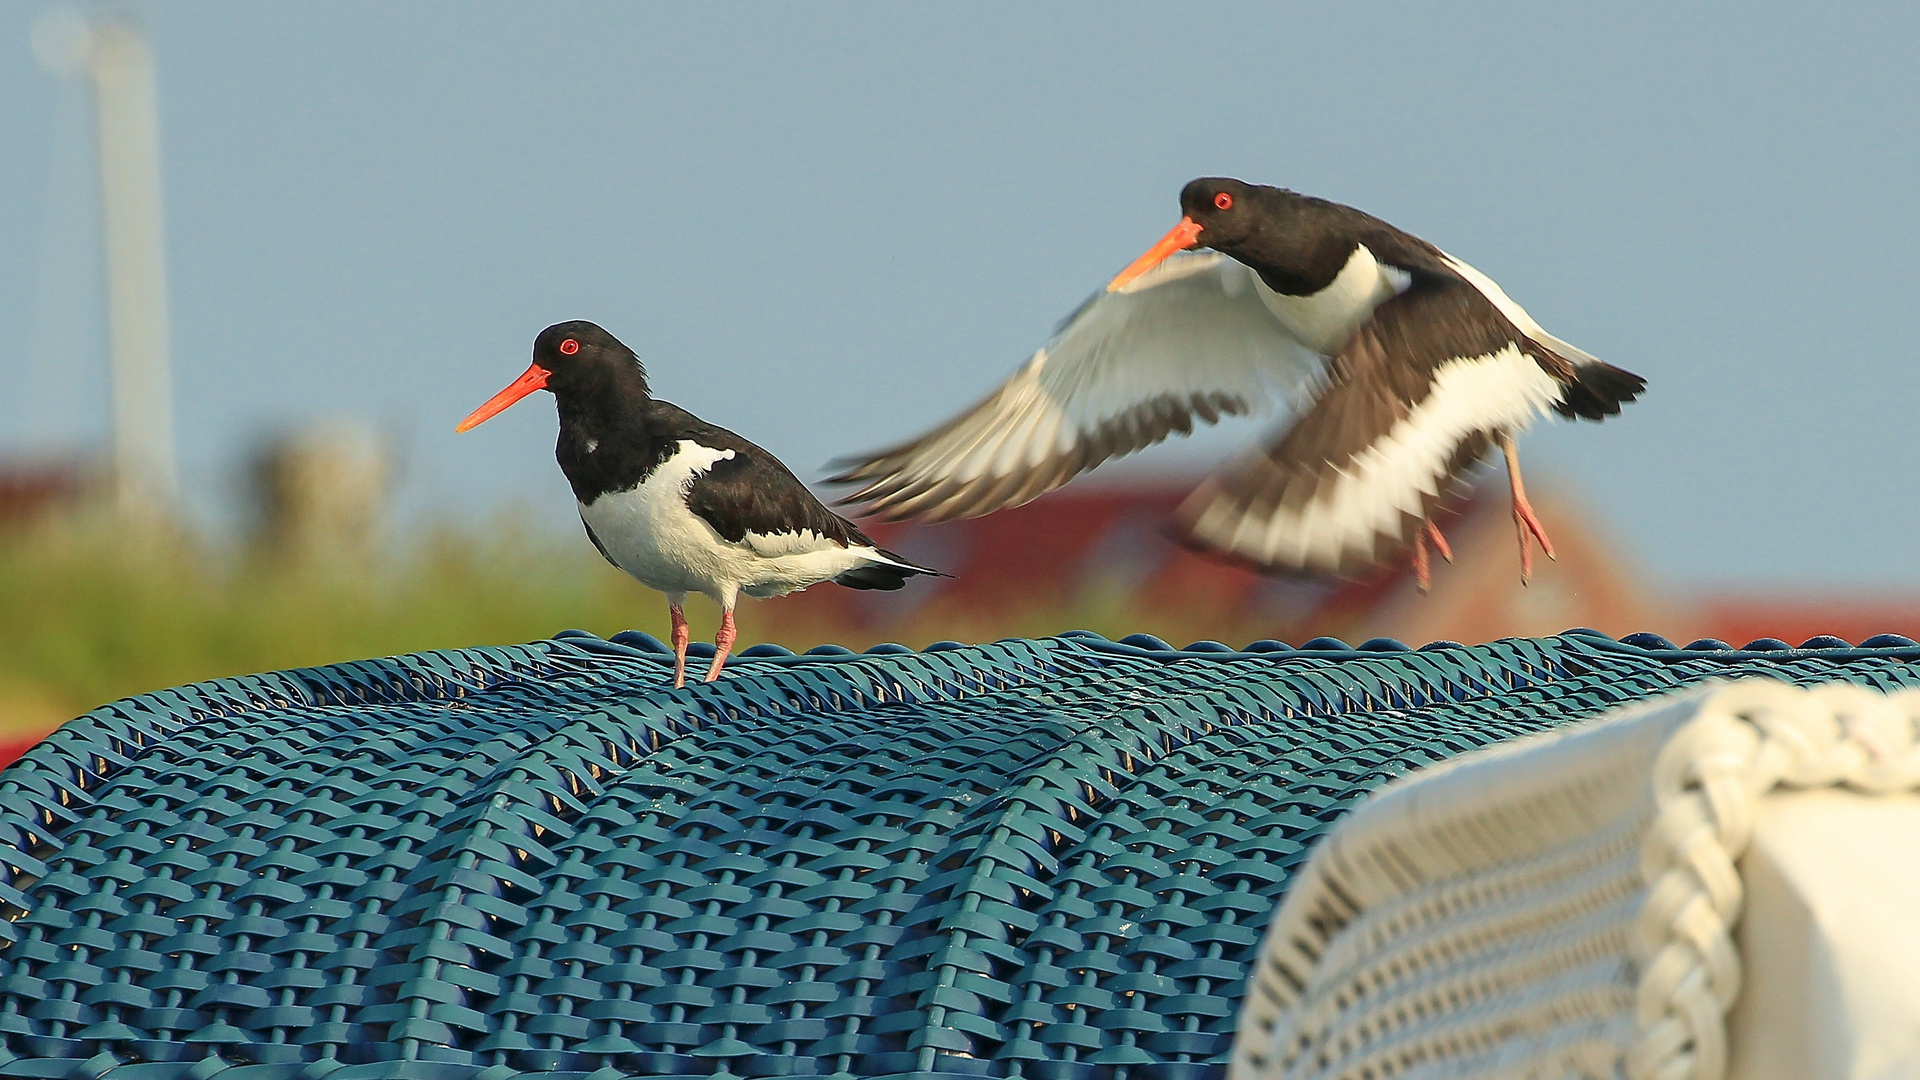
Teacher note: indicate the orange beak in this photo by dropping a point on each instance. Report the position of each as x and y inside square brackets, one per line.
[532, 379]
[1184, 235]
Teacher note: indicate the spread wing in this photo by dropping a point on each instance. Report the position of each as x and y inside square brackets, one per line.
[1189, 341]
[1415, 398]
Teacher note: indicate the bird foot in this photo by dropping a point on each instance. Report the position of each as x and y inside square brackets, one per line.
[1439, 542]
[1530, 529]
[722, 645]
[681, 637]
[1524, 522]
[1422, 568]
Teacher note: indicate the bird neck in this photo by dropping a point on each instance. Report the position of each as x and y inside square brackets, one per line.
[609, 441]
[600, 402]
[1301, 244]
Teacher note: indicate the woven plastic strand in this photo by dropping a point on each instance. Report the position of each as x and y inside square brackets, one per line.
[1049, 858]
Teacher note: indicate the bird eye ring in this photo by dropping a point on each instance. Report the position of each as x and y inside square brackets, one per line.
[1223, 200]
[569, 347]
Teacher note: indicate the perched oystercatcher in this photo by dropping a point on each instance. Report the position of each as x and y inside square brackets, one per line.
[1402, 364]
[679, 504]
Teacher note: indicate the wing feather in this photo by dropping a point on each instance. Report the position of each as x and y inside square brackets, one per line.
[1189, 341]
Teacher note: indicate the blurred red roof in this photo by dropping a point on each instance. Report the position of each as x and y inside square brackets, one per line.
[1091, 549]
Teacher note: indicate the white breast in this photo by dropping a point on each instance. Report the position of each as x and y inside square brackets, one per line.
[649, 532]
[1325, 320]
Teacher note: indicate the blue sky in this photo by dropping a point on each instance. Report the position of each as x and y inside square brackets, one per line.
[827, 227]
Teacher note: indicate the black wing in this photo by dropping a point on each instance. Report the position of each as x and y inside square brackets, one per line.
[752, 492]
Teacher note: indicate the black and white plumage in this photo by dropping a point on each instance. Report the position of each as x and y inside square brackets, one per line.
[681, 505]
[1396, 365]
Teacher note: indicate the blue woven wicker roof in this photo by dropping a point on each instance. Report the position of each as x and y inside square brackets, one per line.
[1045, 858]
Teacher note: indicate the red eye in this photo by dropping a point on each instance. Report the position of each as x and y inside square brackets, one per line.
[1223, 200]
[569, 347]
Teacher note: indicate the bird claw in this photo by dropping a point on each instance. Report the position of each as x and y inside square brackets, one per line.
[1524, 522]
[1529, 528]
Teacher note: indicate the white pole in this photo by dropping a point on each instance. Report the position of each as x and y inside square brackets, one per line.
[129, 128]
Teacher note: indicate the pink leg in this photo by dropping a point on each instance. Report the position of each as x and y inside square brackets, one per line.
[722, 645]
[1422, 574]
[681, 635]
[1524, 522]
[1439, 542]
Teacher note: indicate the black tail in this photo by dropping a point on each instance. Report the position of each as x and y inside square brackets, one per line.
[888, 576]
[1598, 390]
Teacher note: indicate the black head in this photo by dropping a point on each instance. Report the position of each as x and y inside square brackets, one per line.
[1226, 210]
[580, 353]
[1216, 212]
[572, 360]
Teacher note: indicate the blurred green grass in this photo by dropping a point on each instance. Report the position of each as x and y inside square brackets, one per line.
[87, 617]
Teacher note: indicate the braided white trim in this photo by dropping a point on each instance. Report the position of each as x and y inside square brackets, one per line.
[1562, 906]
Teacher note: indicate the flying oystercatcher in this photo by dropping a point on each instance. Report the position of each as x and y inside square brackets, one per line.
[681, 505]
[1403, 366]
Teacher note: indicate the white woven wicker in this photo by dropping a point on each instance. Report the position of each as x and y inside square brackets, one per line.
[1562, 906]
